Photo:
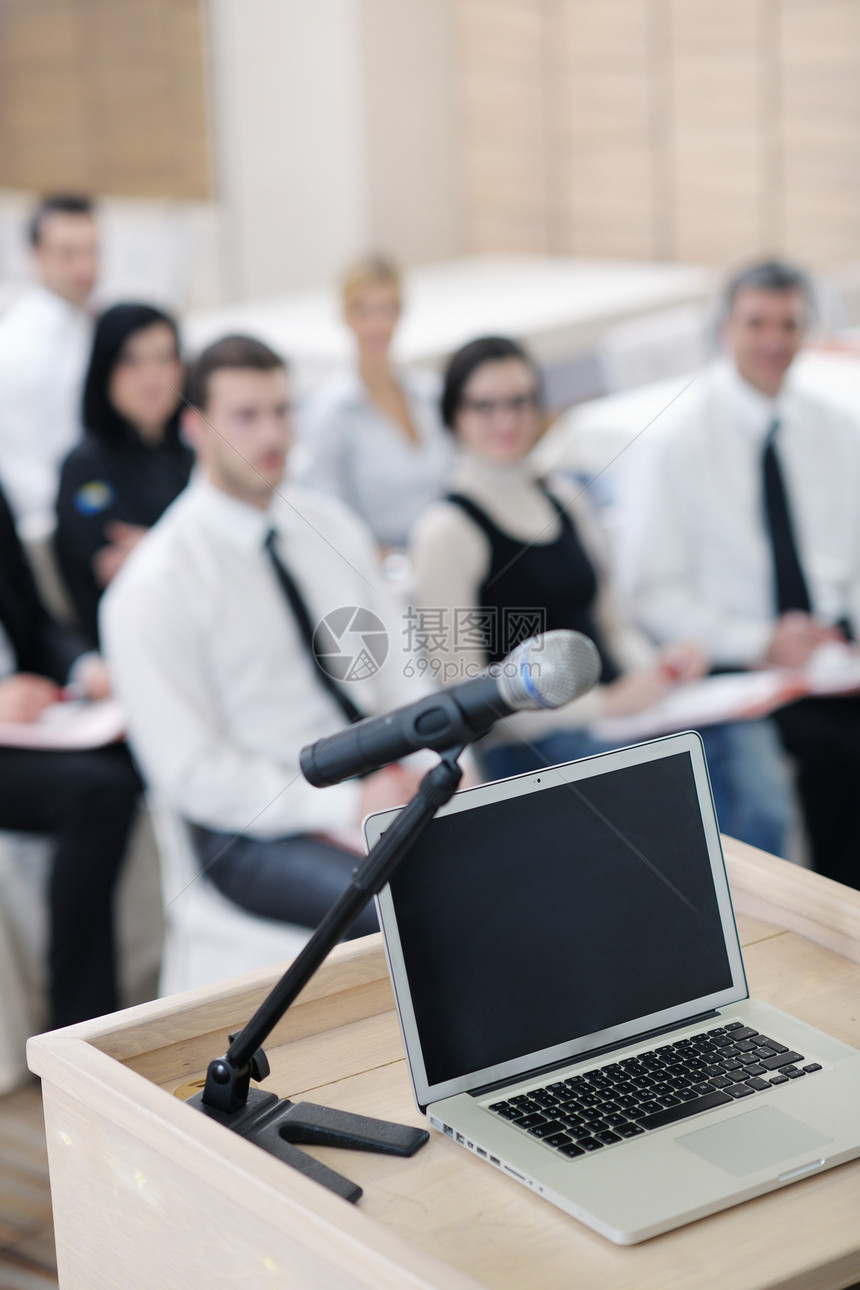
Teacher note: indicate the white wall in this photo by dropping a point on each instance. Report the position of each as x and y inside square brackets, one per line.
[334, 131]
[287, 140]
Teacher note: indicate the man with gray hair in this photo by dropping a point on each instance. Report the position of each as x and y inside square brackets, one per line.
[745, 534]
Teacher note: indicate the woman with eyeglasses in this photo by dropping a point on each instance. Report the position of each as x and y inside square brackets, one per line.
[507, 555]
[131, 463]
[372, 434]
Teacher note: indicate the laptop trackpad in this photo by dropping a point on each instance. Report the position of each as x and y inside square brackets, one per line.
[753, 1141]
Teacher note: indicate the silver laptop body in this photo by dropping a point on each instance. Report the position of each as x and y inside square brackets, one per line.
[561, 935]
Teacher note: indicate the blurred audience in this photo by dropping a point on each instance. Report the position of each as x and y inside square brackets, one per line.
[506, 556]
[45, 339]
[746, 537]
[210, 631]
[84, 800]
[131, 463]
[373, 433]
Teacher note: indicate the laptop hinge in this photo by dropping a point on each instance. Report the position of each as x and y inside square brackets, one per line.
[575, 1059]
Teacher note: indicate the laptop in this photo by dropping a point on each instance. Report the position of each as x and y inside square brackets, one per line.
[572, 999]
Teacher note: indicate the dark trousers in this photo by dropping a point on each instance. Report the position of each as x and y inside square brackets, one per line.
[86, 802]
[823, 737]
[292, 879]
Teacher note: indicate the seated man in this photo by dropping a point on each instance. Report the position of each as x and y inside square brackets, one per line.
[85, 801]
[209, 632]
[745, 534]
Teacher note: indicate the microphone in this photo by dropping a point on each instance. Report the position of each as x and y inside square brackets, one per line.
[543, 672]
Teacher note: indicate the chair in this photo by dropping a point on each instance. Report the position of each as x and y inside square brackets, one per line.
[22, 938]
[207, 936]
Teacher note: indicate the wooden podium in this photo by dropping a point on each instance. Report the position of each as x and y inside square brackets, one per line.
[149, 1193]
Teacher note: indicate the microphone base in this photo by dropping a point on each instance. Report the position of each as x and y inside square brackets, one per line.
[261, 1117]
[278, 1125]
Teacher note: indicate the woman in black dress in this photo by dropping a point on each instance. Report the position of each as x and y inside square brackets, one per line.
[509, 555]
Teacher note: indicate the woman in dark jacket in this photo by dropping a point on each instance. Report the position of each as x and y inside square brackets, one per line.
[131, 463]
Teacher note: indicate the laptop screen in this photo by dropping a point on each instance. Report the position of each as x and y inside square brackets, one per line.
[542, 919]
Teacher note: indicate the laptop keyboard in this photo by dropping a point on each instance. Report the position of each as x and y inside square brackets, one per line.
[628, 1098]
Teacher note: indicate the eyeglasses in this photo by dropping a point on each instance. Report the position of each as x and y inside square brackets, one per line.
[518, 405]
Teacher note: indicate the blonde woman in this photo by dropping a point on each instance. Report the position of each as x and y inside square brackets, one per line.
[373, 434]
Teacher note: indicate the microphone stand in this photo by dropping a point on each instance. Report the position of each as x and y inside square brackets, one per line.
[276, 1124]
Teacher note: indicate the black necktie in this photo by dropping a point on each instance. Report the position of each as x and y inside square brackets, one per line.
[789, 583]
[306, 631]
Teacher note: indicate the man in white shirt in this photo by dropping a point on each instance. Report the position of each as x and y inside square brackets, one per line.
[45, 339]
[209, 658]
[745, 534]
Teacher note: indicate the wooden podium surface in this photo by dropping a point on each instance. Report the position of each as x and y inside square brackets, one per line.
[149, 1193]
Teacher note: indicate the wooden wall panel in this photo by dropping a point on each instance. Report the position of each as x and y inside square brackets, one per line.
[720, 114]
[103, 95]
[710, 130]
[709, 29]
[42, 117]
[594, 33]
[604, 162]
[502, 108]
[820, 128]
[604, 202]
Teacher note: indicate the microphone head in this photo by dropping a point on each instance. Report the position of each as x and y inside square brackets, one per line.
[548, 671]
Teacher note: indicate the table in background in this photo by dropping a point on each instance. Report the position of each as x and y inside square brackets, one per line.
[557, 305]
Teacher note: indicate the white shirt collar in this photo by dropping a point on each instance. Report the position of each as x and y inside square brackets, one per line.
[56, 304]
[752, 410]
[241, 525]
